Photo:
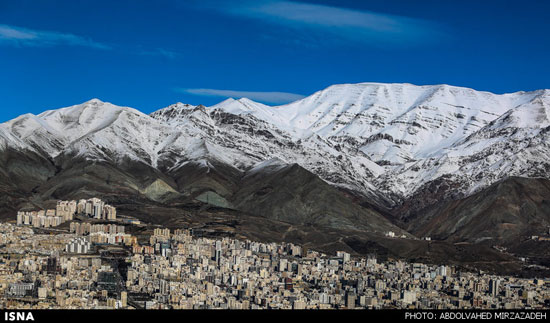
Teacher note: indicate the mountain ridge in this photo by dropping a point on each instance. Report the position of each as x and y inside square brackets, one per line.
[343, 166]
[411, 127]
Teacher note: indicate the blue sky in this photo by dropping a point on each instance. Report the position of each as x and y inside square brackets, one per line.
[150, 54]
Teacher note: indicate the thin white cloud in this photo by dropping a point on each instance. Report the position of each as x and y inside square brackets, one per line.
[332, 22]
[269, 97]
[160, 52]
[18, 36]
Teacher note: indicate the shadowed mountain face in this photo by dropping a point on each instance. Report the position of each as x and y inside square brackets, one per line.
[291, 194]
[272, 202]
[21, 174]
[286, 193]
[505, 213]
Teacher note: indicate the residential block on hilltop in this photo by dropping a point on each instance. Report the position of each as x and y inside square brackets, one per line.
[65, 211]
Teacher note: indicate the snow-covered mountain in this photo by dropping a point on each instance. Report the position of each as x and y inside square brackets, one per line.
[418, 134]
[94, 130]
[238, 137]
[383, 141]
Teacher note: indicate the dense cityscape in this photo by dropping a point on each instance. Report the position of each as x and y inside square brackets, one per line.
[96, 263]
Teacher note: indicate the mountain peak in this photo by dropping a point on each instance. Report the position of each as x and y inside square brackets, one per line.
[94, 101]
[228, 100]
[235, 106]
[246, 101]
[181, 105]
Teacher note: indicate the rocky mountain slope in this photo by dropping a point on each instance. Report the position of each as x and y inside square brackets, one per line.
[505, 213]
[349, 157]
[97, 148]
[384, 141]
